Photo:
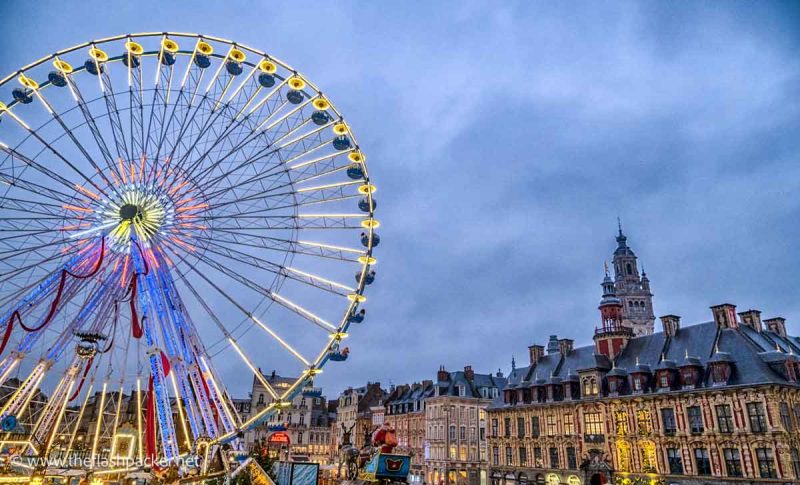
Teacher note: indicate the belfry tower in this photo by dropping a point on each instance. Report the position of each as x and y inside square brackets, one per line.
[633, 290]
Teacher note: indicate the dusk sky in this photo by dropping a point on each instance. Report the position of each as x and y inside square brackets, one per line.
[507, 137]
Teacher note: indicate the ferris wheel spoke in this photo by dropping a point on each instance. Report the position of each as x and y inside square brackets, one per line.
[275, 297]
[39, 167]
[247, 313]
[258, 153]
[71, 135]
[91, 123]
[114, 118]
[230, 338]
[307, 248]
[315, 281]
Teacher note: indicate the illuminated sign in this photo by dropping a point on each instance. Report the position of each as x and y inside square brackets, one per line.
[279, 438]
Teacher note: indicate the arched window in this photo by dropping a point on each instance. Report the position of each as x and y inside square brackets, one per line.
[647, 450]
[260, 399]
[623, 456]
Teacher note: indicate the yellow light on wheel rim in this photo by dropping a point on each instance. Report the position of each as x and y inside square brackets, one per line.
[367, 189]
[237, 55]
[98, 55]
[296, 83]
[356, 157]
[62, 66]
[321, 104]
[205, 48]
[169, 45]
[28, 82]
[267, 66]
[134, 48]
[356, 297]
[370, 224]
[369, 260]
[340, 128]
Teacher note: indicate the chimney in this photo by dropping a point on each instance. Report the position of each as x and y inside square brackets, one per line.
[469, 373]
[552, 345]
[427, 383]
[725, 315]
[536, 353]
[671, 324]
[565, 346]
[442, 375]
[776, 325]
[752, 318]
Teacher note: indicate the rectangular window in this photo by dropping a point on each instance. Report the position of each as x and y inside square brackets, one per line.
[695, 419]
[496, 455]
[452, 434]
[795, 455]
[520, 427]
[462, 433]
[593, 423]
[569, 425]
[523, 456]
[702, 462]
[733, 462]
[621, 422]
[572, 458]
[675, 461]
[494, 427]
[537, 458]
[786, 417]
[509, 456]
[535, 426]
[553, 457]
[482, 434]
[507, 427]
[724, 418]
[552, 425]
[766, 463]
[758, 420]
[668, 420]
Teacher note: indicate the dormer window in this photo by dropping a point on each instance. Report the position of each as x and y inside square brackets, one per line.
[590, 387]
[637, 384]
[461, 391]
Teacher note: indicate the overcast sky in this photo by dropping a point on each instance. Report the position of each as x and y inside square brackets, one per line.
[506, 138]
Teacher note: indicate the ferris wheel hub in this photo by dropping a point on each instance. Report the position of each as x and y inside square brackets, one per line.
[131, 212]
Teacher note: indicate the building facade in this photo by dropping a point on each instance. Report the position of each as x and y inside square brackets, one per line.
[455, 426]
[305, 420]
[712, 403]
[404, 409]
[354, 413]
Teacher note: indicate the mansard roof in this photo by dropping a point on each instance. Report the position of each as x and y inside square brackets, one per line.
[472, 388]
[749, 350]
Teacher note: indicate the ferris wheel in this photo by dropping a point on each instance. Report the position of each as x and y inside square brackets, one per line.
[176, 212]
